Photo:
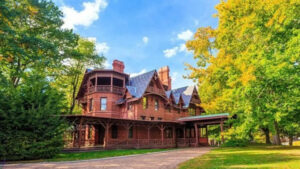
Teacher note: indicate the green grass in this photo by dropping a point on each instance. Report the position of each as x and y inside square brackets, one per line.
[248, 157]
[93, 155]
[100, 154]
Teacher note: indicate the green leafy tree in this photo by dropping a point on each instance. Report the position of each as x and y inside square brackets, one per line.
[30, 121]
[31, 38]
[72, 71]
[249, 65]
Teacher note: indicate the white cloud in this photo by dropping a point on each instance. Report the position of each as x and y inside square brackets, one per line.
[145, 39]
[102, 47]
[138, 73]
[186, 35]
[85, 17]
[171, 52]
[182, 47]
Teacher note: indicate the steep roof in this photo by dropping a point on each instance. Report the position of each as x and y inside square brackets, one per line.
[185, 92]
[137, 85]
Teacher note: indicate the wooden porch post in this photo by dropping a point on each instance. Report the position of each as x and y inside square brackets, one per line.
[148, 134]
[196, 134]
[222, 136]
[79, 133]
[184, 135]
[106, 134]
[174, 135]
[162, 134]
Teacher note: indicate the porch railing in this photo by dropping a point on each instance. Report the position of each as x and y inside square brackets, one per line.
[106, 88]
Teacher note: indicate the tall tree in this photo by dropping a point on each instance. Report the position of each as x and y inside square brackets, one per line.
[249, 64]
[31, 38]
[73, 70]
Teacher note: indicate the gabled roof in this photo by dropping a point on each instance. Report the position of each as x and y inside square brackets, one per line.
[185, 92]
[138, 84]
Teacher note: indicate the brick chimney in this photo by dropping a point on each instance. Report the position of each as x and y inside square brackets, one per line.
[118, 66]
[164, 77]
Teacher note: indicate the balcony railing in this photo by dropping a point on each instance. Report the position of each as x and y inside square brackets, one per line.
[155, 90]
[106, 88]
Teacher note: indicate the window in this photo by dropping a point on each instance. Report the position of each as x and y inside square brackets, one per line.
[178, 111]
[143, 117]
[114, 131]
[169, 109]
[151, 118]
[91, 105]
[156, 104]
[159, 118]
[129, 107]
[130, 132]
[145, 102]
[192, 112]
[103, 103]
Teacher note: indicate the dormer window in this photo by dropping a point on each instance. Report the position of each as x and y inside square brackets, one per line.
[156, 104]
[145, 102]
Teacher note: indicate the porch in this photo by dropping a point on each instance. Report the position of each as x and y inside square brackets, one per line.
[113, 133]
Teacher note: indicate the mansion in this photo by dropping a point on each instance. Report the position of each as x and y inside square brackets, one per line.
[119, 111]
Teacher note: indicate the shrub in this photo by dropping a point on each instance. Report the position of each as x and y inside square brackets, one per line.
[30, 125]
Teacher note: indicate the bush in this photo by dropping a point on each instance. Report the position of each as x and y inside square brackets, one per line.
[235, 143]
[30, 125]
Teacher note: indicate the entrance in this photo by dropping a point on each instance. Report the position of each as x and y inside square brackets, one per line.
[99, 135]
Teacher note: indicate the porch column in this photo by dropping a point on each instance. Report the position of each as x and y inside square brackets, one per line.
[196, 134]
[162, 134]
[184, 135]
[79, 133]
[222, 136]
[148, 134]
[174, 135]
[106, 134]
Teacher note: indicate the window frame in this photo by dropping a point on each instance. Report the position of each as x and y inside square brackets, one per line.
[101, 104]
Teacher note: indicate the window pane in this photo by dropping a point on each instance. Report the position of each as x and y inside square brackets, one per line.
[103, 103]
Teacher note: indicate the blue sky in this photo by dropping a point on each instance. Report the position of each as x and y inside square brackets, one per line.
[144, 34]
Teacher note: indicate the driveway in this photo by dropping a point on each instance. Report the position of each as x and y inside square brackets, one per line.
[165, 160]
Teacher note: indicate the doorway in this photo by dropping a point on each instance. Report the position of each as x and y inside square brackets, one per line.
[99, 135]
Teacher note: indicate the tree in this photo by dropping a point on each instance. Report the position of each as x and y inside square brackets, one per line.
[30, 121]
[249, 65]
[31, 38]
[73, 70]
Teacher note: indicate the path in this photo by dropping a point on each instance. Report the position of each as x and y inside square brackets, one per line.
[164, 160]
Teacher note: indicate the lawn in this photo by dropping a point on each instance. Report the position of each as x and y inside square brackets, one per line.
[248, 157]
[100, 154]
[93, 155]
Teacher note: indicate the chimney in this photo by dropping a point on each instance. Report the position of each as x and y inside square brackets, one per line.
[118, 66]
[164, 77]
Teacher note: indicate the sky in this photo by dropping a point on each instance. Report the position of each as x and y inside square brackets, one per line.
[144, 34]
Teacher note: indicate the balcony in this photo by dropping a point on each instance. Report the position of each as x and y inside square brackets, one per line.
[107, 89]
[155, 90]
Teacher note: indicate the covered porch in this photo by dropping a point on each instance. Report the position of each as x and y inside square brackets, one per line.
[113, 133]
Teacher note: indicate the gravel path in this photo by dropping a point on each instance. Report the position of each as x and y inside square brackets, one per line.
[166, 160]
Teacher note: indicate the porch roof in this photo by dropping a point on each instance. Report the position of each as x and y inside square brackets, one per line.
[204, 117]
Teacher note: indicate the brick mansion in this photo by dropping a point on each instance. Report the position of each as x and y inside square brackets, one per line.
[119, 111]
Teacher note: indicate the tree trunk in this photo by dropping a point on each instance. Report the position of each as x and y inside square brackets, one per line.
[291, 140]
[267, 135]
[278, 142]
